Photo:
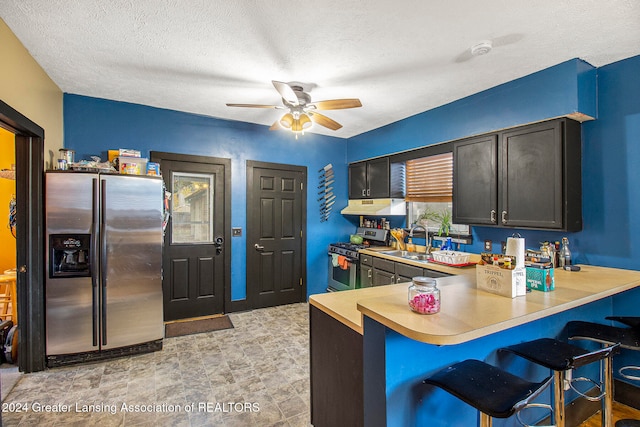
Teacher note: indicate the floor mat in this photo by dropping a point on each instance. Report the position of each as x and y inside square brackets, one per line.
[197, 326]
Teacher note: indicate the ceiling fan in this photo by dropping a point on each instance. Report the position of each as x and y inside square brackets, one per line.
[302, 113]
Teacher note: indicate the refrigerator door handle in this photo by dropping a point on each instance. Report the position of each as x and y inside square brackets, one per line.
[103, 263]
[94, 261]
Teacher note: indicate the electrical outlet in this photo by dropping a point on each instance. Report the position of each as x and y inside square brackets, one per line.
[487, 246]
[236, 231]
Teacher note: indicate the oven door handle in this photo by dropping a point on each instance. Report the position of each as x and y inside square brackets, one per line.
[352, 260]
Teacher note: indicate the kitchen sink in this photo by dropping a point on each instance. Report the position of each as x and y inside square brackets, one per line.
[416, 256]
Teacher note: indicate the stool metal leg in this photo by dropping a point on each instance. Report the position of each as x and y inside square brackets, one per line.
[558, 398]
[607, 404]
[485, 420]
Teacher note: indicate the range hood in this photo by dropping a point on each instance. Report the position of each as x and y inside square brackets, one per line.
[375, 207]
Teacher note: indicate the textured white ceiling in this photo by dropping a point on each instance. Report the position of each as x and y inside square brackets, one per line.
[399, 57]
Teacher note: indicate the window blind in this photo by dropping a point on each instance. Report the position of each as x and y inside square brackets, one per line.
[430, 179]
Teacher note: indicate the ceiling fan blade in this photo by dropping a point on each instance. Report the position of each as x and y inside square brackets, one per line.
[286, 92]
[276, 125]
[254, 105]
[325, 121]
[337, 104]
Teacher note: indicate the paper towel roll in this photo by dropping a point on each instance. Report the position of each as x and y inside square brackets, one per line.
[515, 248]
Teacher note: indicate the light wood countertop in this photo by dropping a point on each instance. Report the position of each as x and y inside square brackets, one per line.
[467, 313]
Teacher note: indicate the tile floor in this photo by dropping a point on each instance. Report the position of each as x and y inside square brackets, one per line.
[256, 374]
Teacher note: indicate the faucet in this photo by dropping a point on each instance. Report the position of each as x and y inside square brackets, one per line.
[426, 233]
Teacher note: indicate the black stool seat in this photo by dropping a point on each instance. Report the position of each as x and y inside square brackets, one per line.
[627, 337]
[628, 423]
[633, 321]
[557, 355]
[487, 388]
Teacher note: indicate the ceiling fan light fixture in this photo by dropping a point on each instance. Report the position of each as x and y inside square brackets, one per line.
[305, 121]
[287, 121]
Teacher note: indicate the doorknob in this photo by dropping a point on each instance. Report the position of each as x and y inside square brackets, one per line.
[258, 247]
[218, 244]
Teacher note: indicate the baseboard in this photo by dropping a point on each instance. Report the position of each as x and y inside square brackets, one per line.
[626, 393]
[237, 305]
[582, 409]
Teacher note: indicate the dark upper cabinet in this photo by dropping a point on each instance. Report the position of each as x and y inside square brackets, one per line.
[527, 177]
[475, 180]
[376, 179]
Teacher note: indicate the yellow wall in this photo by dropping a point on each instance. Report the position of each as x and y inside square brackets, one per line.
[25, 87]
[7, 190]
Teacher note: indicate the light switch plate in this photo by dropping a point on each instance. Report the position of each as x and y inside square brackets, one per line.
[487, 245]
[236, 232]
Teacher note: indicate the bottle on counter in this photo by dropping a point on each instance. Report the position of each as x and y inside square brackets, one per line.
[565, 253]
[424, 295]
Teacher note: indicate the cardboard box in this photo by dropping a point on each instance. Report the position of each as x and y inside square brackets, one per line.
[127, 152]
[540, 279]
[132, 165]
[501, 281]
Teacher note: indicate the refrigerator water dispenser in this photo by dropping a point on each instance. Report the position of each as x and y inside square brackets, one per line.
[70, 255]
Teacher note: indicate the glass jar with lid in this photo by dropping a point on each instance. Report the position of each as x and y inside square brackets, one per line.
[424, 295]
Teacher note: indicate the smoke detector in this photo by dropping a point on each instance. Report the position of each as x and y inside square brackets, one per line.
[481, 48]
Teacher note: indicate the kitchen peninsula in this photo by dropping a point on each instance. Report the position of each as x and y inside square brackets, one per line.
[370, 352]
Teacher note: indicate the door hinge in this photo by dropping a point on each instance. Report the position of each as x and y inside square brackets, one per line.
[301, 281]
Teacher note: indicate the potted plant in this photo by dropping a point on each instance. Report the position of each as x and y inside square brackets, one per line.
[445, 222]
[426, 216]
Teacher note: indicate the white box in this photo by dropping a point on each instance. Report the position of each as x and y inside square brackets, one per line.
[501, 281]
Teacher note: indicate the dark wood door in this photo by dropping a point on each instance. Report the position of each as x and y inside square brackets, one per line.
[531, 176]
[194, 272]
[276, 206]
[475, 181]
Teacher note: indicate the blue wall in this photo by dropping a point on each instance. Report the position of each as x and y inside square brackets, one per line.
[553, 92]
[611, 146]
[92, 126]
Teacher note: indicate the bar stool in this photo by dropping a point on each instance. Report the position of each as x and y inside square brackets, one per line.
[559, 357]
[491, 390]
[8, 307]
[628, 338]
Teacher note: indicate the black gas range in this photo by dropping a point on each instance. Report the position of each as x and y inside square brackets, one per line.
[349, 250]
[344, 264]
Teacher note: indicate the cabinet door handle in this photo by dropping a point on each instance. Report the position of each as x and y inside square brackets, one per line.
[504, 217]
[492, 216]
[369, 273]
[368, 191]
[258, 247]
[364, 192]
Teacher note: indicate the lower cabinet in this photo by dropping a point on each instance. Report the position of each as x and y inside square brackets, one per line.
[386, 272]
[406, 272]
[337, 379]
[366, 271]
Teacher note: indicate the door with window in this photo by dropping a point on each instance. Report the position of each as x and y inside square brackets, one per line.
[195, 245]
[276, 218]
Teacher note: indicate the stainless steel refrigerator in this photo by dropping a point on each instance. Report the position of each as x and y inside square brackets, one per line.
[104, 265]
